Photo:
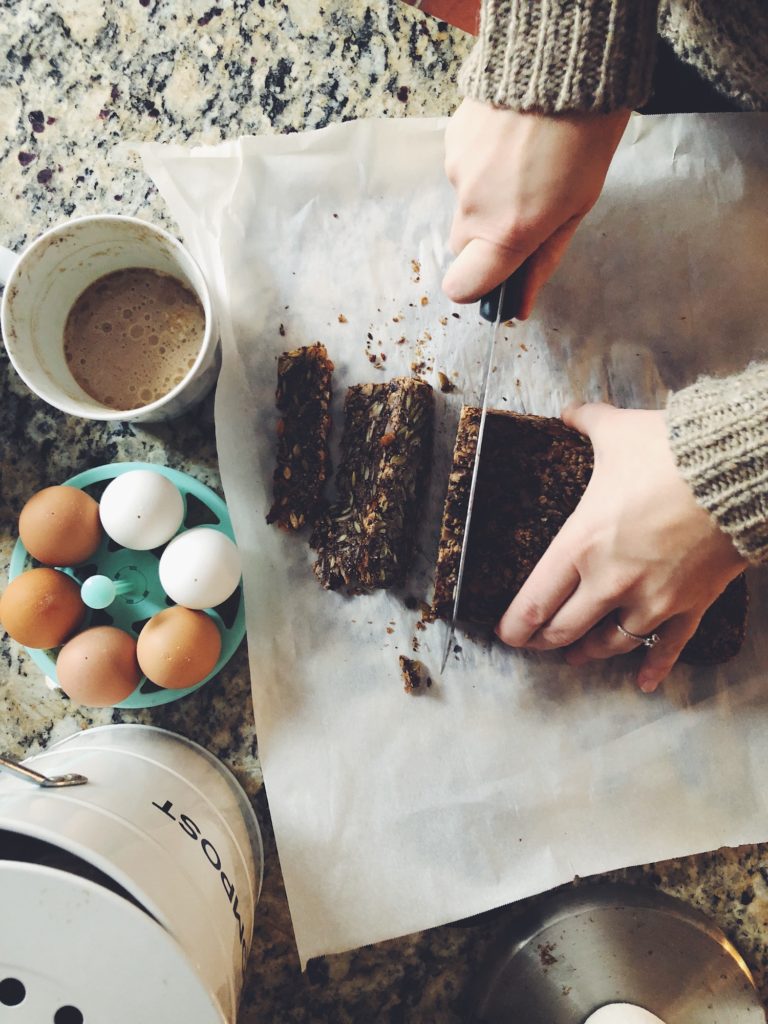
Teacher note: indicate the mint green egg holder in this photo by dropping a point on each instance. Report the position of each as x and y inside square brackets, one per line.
[130, 611]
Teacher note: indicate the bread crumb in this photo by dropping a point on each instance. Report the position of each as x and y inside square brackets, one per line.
[416, 678]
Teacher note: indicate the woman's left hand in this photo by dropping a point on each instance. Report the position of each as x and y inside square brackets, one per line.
[638, 551]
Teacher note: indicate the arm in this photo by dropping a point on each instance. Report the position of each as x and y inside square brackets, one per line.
[718, 434]
[677, 506]
[548, 87]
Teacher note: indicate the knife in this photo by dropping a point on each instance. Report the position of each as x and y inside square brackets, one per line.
[498, 306]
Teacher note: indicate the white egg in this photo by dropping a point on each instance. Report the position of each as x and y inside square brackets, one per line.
[141, 509]
[200, 568]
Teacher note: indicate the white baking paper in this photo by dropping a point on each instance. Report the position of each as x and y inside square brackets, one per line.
[513, 773]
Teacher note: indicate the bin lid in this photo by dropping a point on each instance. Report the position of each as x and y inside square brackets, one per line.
[73, 952]
[596, 945]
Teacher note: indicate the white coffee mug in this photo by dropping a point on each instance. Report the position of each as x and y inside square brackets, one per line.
[42, 285]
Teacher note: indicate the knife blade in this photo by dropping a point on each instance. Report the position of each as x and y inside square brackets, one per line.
[498, 306]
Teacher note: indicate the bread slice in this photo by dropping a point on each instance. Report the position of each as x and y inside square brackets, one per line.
[366, 539]
[303, 461]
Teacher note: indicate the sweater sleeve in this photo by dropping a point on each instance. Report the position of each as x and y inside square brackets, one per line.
[718, 432]
[554, 56]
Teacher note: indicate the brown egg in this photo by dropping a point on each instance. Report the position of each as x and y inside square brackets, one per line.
[178, 647]
[98, 667]
[41, 608]
[60, 526]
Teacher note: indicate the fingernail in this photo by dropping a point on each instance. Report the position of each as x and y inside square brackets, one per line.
[647, 682]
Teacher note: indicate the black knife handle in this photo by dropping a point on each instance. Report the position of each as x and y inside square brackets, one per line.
[513, 297]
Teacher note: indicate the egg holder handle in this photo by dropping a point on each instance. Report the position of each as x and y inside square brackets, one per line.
[145, 596]
[21, 771]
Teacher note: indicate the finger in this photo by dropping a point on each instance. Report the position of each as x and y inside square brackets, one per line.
[587, 417]
[604, 641]
[543, 263]
[658, 662]
[553, 580]
[573, 620]
[478, 268]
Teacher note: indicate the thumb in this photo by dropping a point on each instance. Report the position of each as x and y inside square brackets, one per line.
[478, 268]
[587, 417]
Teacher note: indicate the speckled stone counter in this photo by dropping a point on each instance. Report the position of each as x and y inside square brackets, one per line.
[75, 81]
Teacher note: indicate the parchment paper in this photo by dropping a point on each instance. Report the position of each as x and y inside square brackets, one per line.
[513, 773]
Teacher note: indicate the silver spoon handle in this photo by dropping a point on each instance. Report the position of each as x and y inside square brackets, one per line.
[21, 771]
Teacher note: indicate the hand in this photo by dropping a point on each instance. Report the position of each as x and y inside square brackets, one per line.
[638, 550]
[524, 182]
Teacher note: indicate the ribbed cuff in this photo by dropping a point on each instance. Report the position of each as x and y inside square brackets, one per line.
[555, 56]
[718, 432]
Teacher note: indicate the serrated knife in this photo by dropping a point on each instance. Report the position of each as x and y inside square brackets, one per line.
[498, 306]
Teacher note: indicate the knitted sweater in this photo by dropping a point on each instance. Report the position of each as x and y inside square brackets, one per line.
[598, 55]
[718, 432]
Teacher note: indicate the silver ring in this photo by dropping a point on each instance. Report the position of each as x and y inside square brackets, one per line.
[647, 641]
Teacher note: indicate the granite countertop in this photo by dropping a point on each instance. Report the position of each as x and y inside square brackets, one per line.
[75, 81]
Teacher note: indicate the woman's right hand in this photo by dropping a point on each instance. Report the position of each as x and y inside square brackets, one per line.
[523, 183]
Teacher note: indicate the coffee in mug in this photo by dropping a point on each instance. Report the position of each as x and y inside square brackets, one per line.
[132, 336]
